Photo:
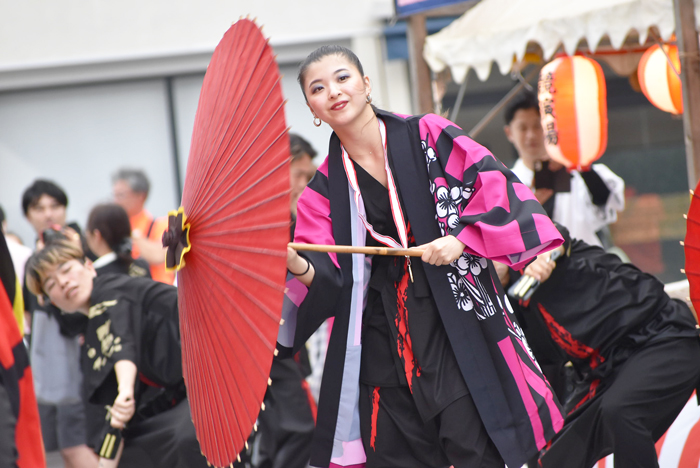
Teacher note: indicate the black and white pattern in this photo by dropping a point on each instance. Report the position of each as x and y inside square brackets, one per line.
[447, 204]
[475, 266]
[461, 292]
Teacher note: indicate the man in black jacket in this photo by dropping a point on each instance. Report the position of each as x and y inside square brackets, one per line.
[635, 352]
[131, 357]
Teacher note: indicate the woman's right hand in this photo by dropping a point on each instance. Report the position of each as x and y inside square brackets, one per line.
[298, 264]
[293, 259]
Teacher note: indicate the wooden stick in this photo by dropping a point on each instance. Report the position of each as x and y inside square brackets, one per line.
[352, 249]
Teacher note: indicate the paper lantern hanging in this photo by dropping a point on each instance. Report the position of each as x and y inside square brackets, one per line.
[574, 111]
[659, 81]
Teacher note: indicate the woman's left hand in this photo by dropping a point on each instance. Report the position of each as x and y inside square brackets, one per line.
[442, 251]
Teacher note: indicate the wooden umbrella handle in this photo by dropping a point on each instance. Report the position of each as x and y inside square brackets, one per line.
[352, 249]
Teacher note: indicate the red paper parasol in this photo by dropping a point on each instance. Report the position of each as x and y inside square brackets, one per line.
[692, 248]
[232, 232]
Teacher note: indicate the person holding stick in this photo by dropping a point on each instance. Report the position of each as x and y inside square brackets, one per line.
[426, 364]
[131, 357]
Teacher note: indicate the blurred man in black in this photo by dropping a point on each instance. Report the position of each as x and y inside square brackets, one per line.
[635, 352]
[287, 424]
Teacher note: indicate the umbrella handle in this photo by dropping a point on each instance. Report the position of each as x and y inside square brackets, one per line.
[352, 249]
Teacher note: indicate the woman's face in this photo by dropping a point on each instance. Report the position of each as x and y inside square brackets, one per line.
[335, 90]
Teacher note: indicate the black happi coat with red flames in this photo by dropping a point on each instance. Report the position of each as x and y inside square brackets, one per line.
[595, 311]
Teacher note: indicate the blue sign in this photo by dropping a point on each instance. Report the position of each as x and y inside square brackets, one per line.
[410, 7]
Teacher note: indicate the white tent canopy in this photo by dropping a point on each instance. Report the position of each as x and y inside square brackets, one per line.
[500, 30]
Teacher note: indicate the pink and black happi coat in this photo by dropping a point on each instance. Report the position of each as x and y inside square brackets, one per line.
[449, 185]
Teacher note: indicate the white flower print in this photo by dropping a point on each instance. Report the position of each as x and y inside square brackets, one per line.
[456, 194]
[485, 307]
[445, 205]
[468, 263]
[467, 193]
[430, 154]
[460, 292]
[453, 220]
[476, 264]
[432, 187]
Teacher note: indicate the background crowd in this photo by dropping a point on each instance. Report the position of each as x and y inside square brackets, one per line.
[122, 237]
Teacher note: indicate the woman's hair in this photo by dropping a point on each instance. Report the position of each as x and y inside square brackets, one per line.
[325, 51]
[54, 254]
[113, 223]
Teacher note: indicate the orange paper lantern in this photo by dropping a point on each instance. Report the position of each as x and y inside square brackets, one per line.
[574, 111]
[658, 80]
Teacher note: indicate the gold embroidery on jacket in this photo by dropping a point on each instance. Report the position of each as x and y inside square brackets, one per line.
[109, 344]
[98, 309]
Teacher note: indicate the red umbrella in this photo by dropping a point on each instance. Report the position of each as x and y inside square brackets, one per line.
[692, 248]
[232, 232]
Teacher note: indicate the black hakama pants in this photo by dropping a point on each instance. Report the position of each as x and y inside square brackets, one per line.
[647, 392]
[166, 440]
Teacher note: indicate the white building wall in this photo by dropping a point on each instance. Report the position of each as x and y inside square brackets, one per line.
[83, 85]
[39, 31]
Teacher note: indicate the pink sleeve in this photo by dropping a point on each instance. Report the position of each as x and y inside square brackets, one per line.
[493, 214]
[314, 224]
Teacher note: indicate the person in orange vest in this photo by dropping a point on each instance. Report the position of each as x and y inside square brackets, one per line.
[130, 190]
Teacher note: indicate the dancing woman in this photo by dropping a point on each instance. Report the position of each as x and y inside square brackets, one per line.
[426, 365]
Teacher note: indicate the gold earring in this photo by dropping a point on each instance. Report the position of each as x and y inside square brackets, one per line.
[369, 99]
[317, 121]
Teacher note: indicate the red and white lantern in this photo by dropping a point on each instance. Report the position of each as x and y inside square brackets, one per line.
[659, 81]
[574, 111]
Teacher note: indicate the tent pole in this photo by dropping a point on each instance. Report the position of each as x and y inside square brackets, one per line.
[501, 104]
[421, 86]
[687, 38]
[460, 98]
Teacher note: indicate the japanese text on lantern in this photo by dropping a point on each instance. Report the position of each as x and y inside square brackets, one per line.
[546, 93]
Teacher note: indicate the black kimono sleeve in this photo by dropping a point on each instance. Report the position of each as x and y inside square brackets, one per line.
[307, 308]
[111, 337]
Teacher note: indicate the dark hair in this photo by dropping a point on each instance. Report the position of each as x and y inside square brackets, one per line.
[41, 187]
[298, 146]
[135, 178]
[325, 51]
[2, 215]
[113, 223]
[523, 101]
[51, 235]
